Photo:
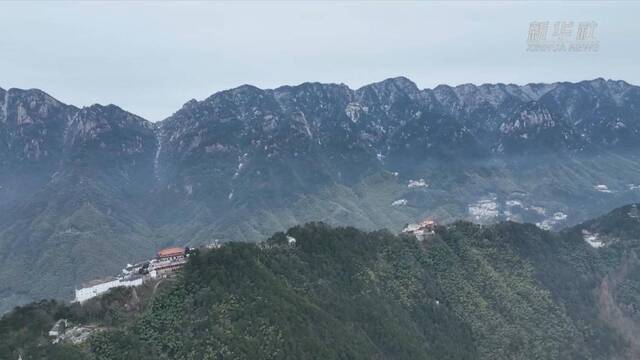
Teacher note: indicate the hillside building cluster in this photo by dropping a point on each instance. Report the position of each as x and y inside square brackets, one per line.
[64, 332]
[421, 230]
[166, 261]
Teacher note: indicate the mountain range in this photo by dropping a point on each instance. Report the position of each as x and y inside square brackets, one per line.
[83, 191]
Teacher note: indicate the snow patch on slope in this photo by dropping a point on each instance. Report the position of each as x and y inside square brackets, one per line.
[602, 188]
[417, 184]
[399, 202]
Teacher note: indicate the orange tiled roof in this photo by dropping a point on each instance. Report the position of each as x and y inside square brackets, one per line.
[169, 252]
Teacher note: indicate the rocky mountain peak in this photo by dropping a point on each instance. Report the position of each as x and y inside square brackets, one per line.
[239, 95]
[536, 90]
[307, 91]
[93, 121]
[605, 85]
[25, 107]
[473, 96]
[446, 95]
[392, 89]
[401, 82]
[597, 83]
[190, 104]
[311, 95]
[118, 116]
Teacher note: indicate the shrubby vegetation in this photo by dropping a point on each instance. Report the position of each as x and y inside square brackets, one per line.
[24, 331]
[509, 291]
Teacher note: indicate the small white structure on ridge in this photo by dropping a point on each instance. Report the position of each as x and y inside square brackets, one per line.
[58, 328]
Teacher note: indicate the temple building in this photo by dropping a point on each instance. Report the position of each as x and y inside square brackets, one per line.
[421, 230]
[172, 253]
[168, 260]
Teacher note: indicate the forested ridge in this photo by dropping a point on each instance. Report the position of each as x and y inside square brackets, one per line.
[505, 291]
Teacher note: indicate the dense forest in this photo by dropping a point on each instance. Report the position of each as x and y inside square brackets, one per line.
[505, 291]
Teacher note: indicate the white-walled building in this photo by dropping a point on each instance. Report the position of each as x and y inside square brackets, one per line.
[99, 287]
[167, 260]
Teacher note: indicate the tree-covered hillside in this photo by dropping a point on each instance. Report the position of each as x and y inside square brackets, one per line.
[506, 291]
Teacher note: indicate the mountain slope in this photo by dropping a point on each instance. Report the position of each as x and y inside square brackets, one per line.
[262, 155]
[72, 190]
[502, 291]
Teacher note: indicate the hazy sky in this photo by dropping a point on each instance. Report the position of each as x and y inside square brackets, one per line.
[150, 58]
